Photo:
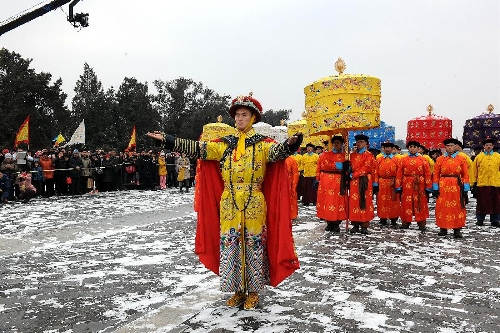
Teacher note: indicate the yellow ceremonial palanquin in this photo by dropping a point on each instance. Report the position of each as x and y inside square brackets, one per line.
[388, 201]
[339, 103]
[330, 205]
[450, 172]
[346, 101]
[242, 190]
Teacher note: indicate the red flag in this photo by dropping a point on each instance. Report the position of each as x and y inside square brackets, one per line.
[23, 135]
[131, 144]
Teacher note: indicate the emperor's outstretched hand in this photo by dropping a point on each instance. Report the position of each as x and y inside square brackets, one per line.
[155, 135]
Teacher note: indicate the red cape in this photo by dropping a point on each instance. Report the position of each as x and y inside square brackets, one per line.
[282, 258]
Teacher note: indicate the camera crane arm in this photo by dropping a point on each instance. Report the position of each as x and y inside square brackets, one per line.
[76, 20]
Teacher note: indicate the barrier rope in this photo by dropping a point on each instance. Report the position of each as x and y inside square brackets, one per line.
[92, 168]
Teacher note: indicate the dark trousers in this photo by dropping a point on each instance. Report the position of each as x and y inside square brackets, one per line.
[184, 183]
[39, 187]
[49, 187]
[309, 193]
[75, 187]
[172, 178]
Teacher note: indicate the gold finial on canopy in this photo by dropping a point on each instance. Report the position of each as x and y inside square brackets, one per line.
[429, 109]
[282, 122]
[250, 94]
[490, 108]
[340, 65]
[219, 119]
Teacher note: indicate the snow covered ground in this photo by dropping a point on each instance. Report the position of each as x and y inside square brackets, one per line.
[124, 262]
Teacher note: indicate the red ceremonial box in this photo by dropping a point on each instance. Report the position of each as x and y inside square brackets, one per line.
[429, 130]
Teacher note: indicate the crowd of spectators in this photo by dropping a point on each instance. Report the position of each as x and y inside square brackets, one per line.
[60, 171]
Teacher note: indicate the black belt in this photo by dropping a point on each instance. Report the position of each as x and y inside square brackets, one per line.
[331, 171]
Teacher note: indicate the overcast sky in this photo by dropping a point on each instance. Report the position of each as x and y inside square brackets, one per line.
[439, 52]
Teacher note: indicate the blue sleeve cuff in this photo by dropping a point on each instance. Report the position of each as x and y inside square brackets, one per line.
[375, 184]
[466, 187]
[435, 186]
[338, 165]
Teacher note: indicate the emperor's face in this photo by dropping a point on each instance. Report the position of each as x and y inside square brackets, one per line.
[242, 118]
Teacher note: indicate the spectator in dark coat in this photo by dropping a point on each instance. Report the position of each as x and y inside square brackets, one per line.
[108, 174]
[98, 163]
[75, 172]
[171, 173]
[37, 177]
[61, 165]
[6, 188]
[11, 169]
[87, 179]
[117, 162]
[146, 171]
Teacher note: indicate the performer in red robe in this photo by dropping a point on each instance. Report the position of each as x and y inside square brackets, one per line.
[412, 181]
[388, 201]
[361, 210]
[450, 185]
[332, 199]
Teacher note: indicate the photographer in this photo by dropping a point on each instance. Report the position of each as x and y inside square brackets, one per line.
[5, 188]
[26, 188]
[10, 168]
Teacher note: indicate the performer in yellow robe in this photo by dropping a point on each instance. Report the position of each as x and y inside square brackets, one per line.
[247, 255]
[309, 163]
[485, 181]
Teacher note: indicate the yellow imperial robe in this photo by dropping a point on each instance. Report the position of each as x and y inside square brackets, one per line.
[243, 210]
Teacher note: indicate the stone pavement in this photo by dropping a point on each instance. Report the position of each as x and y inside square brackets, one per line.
[124, 262]
[388, 281]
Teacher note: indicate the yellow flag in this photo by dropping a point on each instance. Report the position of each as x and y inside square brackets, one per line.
[60, 138]
[131, 143]
[23, 135]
